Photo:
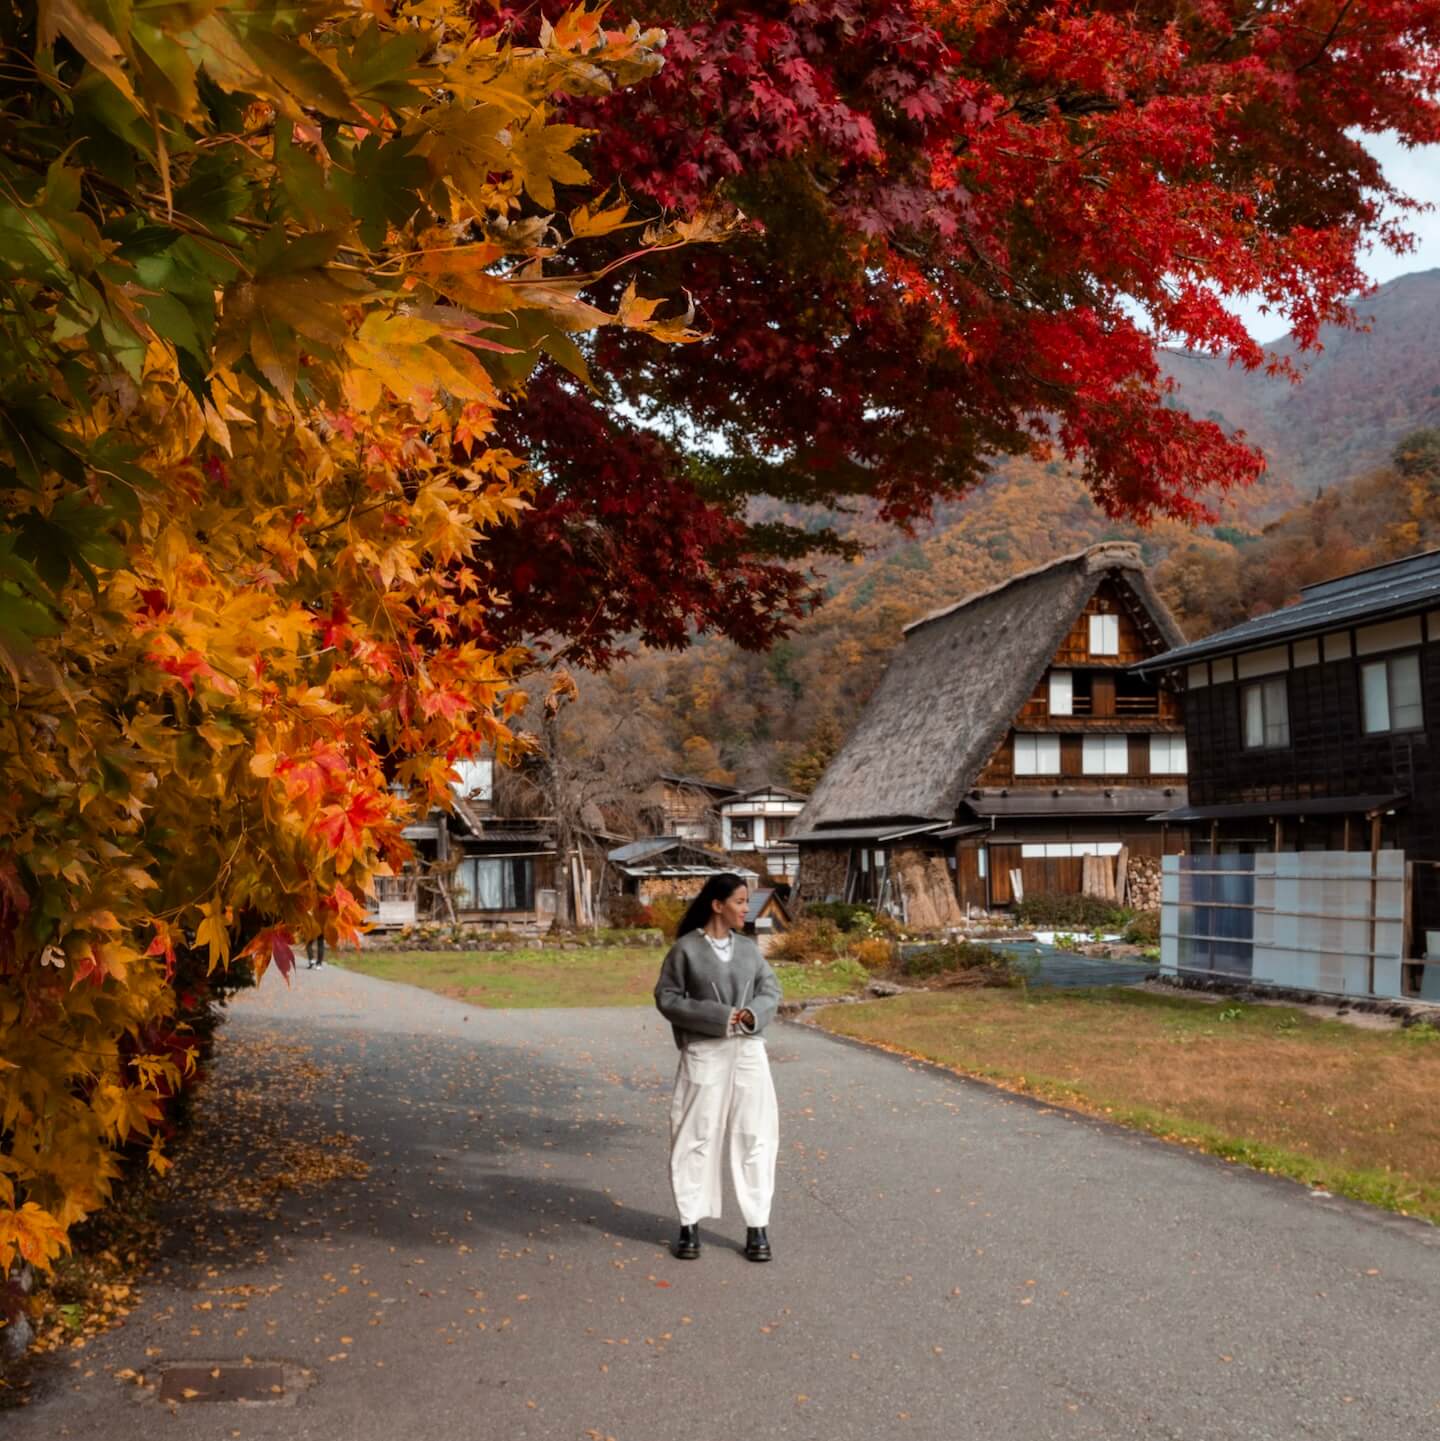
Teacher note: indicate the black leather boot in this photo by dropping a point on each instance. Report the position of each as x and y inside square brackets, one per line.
[687, 1248]
[757, 1244]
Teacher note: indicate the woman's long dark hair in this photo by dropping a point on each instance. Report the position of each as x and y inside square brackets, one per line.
[698, 912]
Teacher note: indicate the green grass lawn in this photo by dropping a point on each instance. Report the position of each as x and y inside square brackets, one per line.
[1321, 1101]
[595, 976]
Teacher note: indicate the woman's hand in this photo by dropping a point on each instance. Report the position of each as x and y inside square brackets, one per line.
[746, 1018]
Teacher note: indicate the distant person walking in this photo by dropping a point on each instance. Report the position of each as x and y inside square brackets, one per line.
[719, 993]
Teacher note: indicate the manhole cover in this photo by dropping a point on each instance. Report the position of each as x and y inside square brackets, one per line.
[223, 1383]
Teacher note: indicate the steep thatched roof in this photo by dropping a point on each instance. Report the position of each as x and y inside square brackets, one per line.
[954, 687]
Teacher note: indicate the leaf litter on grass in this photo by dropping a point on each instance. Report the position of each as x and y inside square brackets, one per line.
[1313, 1099]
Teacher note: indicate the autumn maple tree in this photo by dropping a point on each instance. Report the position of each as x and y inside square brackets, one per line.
[968, 226]
[268, 276]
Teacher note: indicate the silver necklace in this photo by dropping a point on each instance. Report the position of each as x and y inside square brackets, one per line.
[723, 949]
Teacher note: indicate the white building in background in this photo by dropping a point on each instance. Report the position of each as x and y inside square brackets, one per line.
[760, 822]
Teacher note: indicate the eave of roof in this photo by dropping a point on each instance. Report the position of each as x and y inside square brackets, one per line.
[888, 832]
[783, 791]
[1402, 587]
[1114, 801]
[1088, 725]
[665, 869]
[1266, 810]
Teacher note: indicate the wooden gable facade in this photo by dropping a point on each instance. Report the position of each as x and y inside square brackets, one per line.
[1091, 733]
[1010, 741]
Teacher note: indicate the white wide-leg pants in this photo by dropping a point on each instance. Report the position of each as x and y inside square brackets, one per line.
[723, 1086]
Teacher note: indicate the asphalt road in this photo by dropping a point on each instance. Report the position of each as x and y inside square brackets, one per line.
[952, 1263]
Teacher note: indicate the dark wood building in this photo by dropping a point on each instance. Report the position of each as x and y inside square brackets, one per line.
[474, 864]
[686, 806]
[1010, 739]
[1315, 729]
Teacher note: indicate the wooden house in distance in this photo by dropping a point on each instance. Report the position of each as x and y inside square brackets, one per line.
[686, 806]
[474, 864]
[1009, 739]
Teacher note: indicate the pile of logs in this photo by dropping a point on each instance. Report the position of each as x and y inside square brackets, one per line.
[1127, 880]
[1142, 884]
[1098, 877]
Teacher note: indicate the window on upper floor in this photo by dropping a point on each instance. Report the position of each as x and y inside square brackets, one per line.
[1062, 692]
[1037, 755]
[474, 778]
[1167, 755]
[1390, 694]
[1105, 756]
[1265, 713]
[1104, 635]
[742, 829]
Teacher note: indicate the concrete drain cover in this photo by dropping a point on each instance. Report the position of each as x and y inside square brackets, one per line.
[223, 1383]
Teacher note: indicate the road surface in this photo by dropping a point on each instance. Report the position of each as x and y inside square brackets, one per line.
[429, 1220]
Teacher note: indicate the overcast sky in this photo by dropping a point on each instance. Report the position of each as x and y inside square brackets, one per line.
[1415, 173]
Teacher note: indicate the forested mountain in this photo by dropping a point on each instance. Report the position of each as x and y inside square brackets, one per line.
[1360, 395]
[1331, 500]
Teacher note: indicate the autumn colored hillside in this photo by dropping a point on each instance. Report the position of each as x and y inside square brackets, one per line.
[1360, 395]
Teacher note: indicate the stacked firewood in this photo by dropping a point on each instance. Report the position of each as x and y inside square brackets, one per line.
[1142, 884]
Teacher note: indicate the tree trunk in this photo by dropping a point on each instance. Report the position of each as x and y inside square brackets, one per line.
[558, 806]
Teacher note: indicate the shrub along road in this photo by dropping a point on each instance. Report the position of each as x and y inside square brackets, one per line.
[441, 1221]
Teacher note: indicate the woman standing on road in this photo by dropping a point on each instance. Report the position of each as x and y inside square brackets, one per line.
[719, 993]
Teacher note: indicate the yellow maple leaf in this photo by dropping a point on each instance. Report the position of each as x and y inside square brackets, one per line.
[124, 1111]
[214, 933]
[33, 1234]
[540, 155]
[598, 218]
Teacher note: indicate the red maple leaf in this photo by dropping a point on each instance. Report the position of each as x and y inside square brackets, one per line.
[185, 668]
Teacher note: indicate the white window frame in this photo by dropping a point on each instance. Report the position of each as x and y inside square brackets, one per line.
[1033, 753]
[1067, 850]
[1385, 667]
[1163, 755]
[1062, 692]
[1107, 755]
[1274, 714]
[1104, 634]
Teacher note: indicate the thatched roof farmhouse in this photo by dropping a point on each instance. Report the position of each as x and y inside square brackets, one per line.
[1008, 742]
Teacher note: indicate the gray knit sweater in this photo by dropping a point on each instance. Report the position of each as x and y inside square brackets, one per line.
[698, 992]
